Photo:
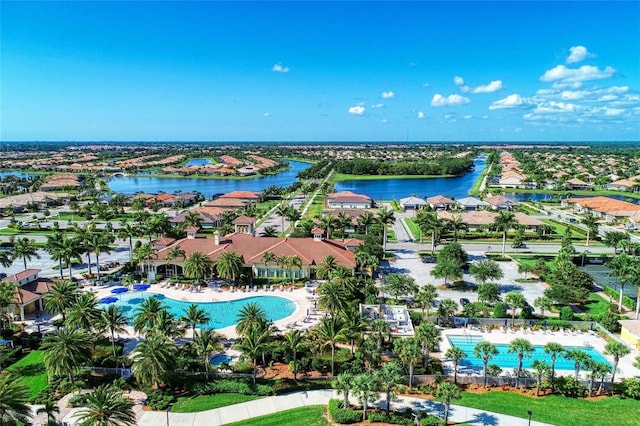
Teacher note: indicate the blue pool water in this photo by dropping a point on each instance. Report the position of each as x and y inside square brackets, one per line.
[222, 314]
[507, 360]
[220, 359]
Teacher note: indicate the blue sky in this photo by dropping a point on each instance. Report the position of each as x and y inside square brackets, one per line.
[320, 71]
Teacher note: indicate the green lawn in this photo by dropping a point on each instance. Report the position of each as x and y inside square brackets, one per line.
[556, 410]
[413, 228]
[209, 402]
[31, 371]
[309, 416]
[595, 305]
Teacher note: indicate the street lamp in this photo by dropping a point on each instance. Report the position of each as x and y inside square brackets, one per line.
[168, 409]
[529, 413]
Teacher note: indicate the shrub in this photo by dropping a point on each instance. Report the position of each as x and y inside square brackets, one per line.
[242, 367]
[343, 415]
[566, 386]
[609, 321]
[499, 311]
[566, 313]
[631, 388]
[431, 420]
[77, 401]
[392, 418]
[159, 401]
[526, 313]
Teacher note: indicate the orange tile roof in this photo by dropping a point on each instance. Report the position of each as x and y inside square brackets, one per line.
[604, 204]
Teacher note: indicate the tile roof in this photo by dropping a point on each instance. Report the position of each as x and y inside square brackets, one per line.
[604, 204]
[22, 275]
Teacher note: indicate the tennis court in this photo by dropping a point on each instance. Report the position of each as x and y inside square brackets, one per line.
[601, 274]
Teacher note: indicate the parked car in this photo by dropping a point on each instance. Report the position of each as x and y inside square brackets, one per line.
[521, 245]
[428, 259]
[464, 301]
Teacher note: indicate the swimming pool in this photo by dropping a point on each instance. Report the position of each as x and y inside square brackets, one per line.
[219, 359]
[222, 314]
[504, 359]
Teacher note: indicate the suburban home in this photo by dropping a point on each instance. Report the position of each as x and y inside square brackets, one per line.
[440, 202]
[603, 207]
[31, 288]
[511, 179]
[171, 200]
[412, 203]
[227, 203]
[349, 200]
[210, 217]
[354, 214]
[630, 184]
[500, 202]
[311, 252]
[477, 219]
[248, 196]
[472, 203]
[577, 184]
[39, 199]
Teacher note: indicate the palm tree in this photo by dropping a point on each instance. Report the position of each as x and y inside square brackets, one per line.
[365, 220]
[293, 262]
[293, 341]
[251, 315]
[328, 222]
[579, 358]
[198, 266]
[553, 349]
[627, 269]
[99, 243]
[126, 231]
[366, 260]
[385, 218]
[428, 335]
[268, 258]
[166, 325]
[253, 344]
[381, 330]
[446, 308]
[107, 406]
[327, 267]
[229, 265]
[8, 292]
[344, 221]
[457, 355]
[193, 219]
[269, 231]
[146, 314]
[505, 221]
[332, 297]
[67, 250]
[516, 300]
[485, 270]
[53, 247]
[543, 303]
[144, 253]
[523, 348]
[409, 352]
[205, 342]
[390, 375]
[154, 360]
[115, 321]
[5, 258]
[84, 313]
[365, 388]
[353, 325]
[617, 350]
[25, 249]
[175, 252]
[456, 225]
[430, 224]
[447, 391]
[485, 350]
[83, 235]
[60, 298]
[331, 330]
[425, 297]
[50, 408]
[66, 350]
[282, 211]
[591, 222]
[541, 369]
[343, 384]
[614, 239]
[13, 400]
[195, 315]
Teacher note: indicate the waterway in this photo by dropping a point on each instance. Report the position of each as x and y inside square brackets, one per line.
[395, 189]
[208, 187]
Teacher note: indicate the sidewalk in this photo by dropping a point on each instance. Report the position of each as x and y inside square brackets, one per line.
[273, 404]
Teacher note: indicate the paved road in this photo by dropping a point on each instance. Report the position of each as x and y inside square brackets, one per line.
[274, 404]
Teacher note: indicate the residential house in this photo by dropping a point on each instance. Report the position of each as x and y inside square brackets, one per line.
[412, 203]
[57, 182]
[603, 207]
[500, 202]
[397, 316]
[630, 184]
[577, 184]
[29, 293]
[349, 200]
[472, 203]
[476, 219]
[248, 196]
[440, 202]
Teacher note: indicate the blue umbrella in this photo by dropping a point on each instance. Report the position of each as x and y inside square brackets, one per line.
[119, 290]
[108, 299]
[141, 287]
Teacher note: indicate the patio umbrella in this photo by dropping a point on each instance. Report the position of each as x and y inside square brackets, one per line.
[505, 323]
[119, 290]
[141, 287]
[108, 299]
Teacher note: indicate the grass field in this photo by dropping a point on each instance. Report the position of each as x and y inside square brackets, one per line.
[556, 410]
[314, 415]
[413, 228]
[209, 402]
[31, 371]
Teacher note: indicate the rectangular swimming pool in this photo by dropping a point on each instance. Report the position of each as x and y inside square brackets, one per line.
[507, 360]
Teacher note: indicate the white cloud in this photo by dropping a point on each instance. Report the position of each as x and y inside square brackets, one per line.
[494, 86]
[512, 101]
[387, 95]
[280, 68]
[357, 110]
[468, 117]
[451, 100]
[426, 85]
[576, 75]
[384, 120]
[458, 81]
[578, 54]
[612, 112]
[420, 114]
[377, 106]
[266, 114]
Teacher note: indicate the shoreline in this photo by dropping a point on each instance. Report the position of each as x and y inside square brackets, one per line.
[568, 193]
[341, 177]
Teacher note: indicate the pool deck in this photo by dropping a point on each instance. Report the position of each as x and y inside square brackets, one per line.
[541, 338]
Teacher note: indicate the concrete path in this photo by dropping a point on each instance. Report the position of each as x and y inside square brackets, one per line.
[273, 404]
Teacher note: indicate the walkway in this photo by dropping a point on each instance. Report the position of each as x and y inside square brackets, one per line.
[274, 404]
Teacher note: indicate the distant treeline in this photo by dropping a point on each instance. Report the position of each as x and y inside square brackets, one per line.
[441, 166]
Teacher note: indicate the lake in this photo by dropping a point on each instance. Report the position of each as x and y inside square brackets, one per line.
[389, 189]
[208, 187]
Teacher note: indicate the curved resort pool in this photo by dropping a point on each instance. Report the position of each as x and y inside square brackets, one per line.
[222, 314]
